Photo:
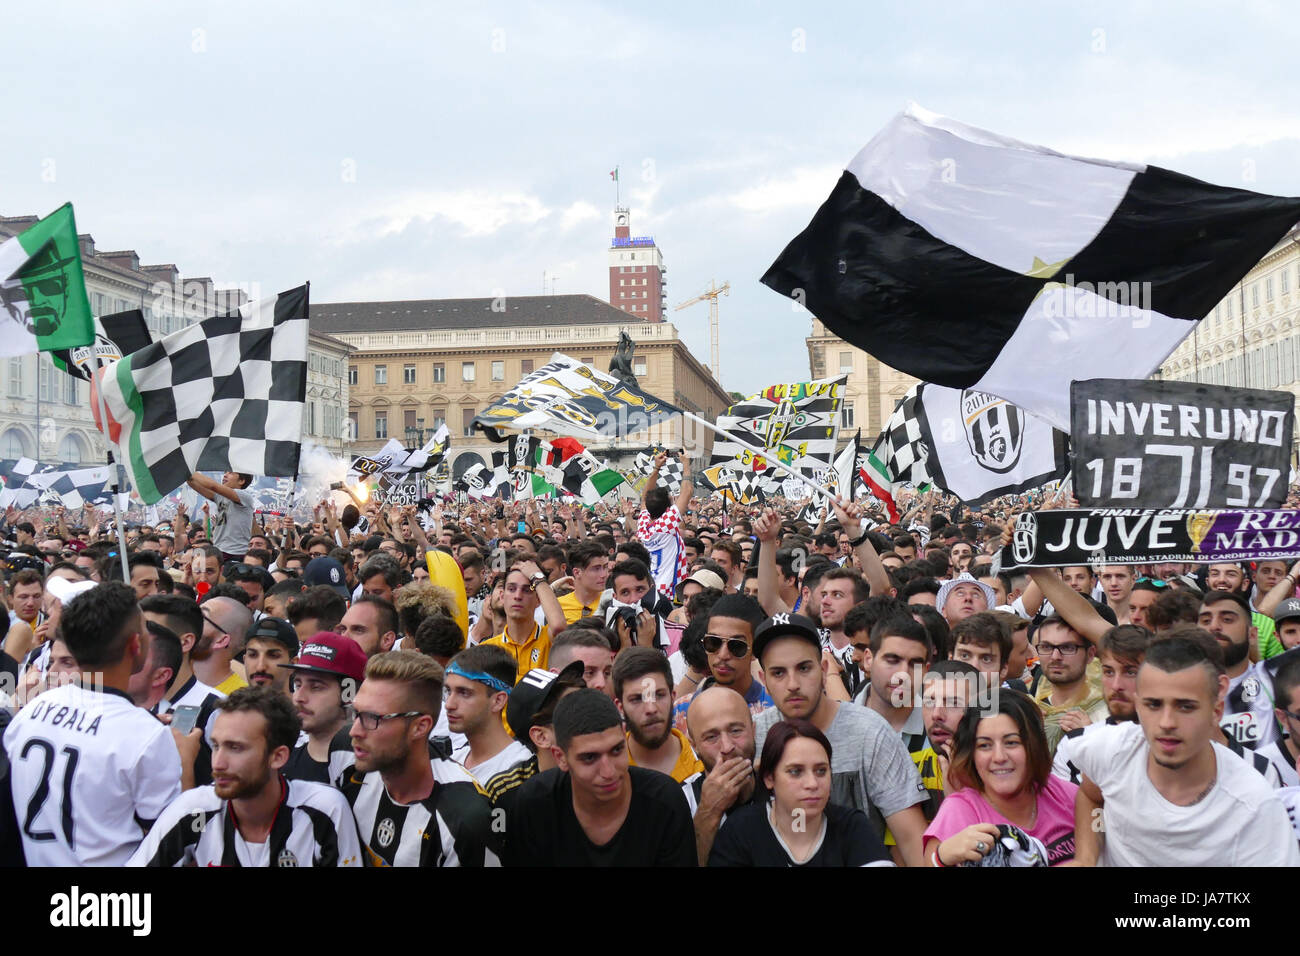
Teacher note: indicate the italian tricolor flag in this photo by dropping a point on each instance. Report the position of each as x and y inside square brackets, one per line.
[43, 289]
[878, 481]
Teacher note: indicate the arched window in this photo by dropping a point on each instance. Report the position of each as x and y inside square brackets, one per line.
[71, 449]
[13, 444]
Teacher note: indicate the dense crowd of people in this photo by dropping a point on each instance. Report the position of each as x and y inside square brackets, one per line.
[670, 680]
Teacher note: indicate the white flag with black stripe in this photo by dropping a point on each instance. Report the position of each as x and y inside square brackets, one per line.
[974, 261]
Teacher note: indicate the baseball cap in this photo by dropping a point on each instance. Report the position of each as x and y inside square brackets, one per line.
[327, 571]
[784, 625]
[535, 690]
[1288, 609]
[274, 629]
[965, 577]
[330, 653]
[707, 579]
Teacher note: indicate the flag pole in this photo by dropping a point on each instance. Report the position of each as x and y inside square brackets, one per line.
[112, 464]
[767, 455]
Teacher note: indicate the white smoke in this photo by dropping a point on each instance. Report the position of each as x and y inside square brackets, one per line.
[317, 470]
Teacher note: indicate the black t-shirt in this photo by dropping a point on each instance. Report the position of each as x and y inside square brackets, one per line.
[544, 829]
[747, 839]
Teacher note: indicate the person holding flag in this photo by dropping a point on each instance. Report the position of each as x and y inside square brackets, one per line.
[659, 527]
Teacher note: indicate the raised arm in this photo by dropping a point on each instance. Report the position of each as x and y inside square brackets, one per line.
[766, 527]
[850, 516]
[684, 493]
[1281, 591]
[210, 489]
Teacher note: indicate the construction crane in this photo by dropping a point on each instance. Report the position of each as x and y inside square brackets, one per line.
[711, 293]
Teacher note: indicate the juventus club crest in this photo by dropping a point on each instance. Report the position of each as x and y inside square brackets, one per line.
[995, 430]
[1024, 539]
[286, 858]
[385, 832]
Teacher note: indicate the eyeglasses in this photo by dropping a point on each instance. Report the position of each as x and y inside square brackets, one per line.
[735, 646]
[372, 721]
[216, 625]
[1065, 650]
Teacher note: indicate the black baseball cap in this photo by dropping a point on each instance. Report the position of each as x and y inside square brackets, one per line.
[1287, 610]
[785, 625]
[325, 570]
[274, 629]
[535, 690]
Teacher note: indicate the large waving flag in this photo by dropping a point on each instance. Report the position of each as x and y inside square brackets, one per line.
[225, 394]
[569, 398]
[43, 303]
[978, 262]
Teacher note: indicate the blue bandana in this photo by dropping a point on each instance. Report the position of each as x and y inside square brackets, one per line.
[492, 682]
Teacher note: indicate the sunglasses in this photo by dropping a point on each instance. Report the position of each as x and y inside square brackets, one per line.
[735, 646]
[1154, 582]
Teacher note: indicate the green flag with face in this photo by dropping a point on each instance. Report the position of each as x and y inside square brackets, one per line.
[43, 302]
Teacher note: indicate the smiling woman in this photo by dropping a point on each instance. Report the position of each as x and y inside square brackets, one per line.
[1007, 792]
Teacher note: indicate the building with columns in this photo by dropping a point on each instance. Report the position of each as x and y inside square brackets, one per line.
[1251, 339]
[872, 389]
[420, 363]
[46, 414]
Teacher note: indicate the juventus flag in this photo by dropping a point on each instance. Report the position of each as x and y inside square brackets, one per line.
[116, 335]
[570, 398]
[794, 423]
[978, 262]
[225, 394]
[969, 443]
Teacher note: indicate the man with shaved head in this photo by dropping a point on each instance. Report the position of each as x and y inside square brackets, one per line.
[722, 733]
[225, 628]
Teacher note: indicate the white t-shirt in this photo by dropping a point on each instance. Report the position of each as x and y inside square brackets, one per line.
[87, 766]
[1240, 822]
[515, 753]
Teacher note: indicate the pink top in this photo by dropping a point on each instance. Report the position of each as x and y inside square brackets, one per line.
[1055, 826]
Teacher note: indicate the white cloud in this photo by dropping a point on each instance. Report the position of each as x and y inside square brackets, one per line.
[478, 212]
[577, 213]
[808, 187]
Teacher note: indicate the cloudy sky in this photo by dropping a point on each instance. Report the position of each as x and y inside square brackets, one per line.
[423, 150]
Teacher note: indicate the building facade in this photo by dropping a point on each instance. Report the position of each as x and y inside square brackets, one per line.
[636, 272]
[872, 389]
[1251, 339]
[46, 414]
[419, 364]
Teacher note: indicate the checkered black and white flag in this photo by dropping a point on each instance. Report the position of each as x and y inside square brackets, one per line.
[29, 483]
[900, 447]
[670, 475]
[226, 394]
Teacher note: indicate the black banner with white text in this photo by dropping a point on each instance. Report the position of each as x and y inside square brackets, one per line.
[1161, 444]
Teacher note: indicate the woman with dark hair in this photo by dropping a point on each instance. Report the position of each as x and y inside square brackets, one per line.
[797, 825]
[1003, 771]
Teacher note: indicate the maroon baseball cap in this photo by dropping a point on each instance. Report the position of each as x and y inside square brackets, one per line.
[330, 653]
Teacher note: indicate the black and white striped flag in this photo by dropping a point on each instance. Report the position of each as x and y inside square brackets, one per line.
[978, 262]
